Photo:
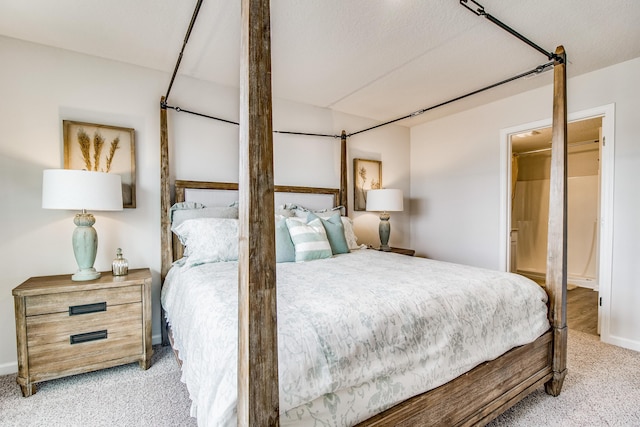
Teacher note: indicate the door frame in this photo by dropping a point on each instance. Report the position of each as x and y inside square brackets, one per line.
[605, 244]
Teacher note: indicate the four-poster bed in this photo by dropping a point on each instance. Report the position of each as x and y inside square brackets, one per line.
[474, 397]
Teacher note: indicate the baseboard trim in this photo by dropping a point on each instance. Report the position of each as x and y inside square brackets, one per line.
[9, 368]
[622, 342]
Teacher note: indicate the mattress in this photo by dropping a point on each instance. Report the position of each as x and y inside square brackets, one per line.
[357, 333]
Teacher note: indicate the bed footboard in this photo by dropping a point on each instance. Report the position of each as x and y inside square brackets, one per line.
[480, 395]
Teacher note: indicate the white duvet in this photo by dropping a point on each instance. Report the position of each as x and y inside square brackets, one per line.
[357, 333]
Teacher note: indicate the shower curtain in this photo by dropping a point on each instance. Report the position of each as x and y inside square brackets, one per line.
[530, 215]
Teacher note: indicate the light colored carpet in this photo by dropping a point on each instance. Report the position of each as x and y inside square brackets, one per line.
[602, 388]
[120, 396]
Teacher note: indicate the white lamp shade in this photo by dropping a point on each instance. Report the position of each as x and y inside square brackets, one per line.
[77, 189]
[384, 200]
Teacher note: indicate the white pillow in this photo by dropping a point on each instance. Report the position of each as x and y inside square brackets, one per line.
[209, 239]
[181, 214]
[352, 240]
[310, 240]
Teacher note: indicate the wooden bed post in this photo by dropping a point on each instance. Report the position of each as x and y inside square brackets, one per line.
[258, 400]
[343, 172]
[556, 281]
[165, 204]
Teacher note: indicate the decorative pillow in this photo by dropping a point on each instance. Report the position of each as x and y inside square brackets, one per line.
[209, 239]
[302, 212]
[183, 206]
[285, 250]
[284, 212]
[335, 232]
[310, 240]
[184, 211]
[350, 236]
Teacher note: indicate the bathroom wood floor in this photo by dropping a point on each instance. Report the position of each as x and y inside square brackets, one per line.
[582, 310]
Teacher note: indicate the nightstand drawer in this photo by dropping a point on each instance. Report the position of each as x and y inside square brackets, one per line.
[81, 300]
[59, 342]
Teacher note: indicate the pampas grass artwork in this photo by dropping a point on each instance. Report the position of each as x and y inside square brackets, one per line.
[98, 142]
[102, 148]
[112, 151]
[84, 141]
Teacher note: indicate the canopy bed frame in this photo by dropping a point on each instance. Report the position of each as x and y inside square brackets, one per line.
[473, 398]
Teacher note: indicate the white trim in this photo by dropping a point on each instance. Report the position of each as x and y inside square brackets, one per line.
[606, 223]
[9, 368]
[622, 342]
[607, 112]
[156, 339]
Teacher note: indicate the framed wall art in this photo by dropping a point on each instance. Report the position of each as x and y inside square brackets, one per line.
[102, 148]
[367, 176]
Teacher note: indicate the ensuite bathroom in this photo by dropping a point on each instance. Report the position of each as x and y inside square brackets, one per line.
[531, 154]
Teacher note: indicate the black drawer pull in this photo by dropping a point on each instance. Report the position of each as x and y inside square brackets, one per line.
[87, 308]
[88, 336]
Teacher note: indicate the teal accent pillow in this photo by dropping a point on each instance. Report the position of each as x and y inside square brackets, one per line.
[310, 240]
[335, 232]
[285, 251]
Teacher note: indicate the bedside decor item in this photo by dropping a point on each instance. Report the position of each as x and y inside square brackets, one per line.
[82, 190]
[120, 265]
[367, 175]
[102, 148]
[384, 201]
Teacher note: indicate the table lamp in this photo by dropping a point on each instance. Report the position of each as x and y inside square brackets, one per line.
[384, 201]
[82, 190]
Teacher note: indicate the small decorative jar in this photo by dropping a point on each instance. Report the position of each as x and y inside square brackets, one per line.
[120, 266]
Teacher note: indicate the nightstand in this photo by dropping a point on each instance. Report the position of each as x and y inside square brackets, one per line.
[65, 327]
[402, 251]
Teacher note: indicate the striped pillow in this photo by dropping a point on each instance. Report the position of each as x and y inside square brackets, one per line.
[310, 240]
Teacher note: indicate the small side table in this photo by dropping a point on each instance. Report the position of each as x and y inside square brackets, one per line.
[65, 327]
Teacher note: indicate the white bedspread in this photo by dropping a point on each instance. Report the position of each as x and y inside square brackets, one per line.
[357, 333]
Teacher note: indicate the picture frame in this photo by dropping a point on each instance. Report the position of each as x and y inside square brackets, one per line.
[367, 175]
[103, 148]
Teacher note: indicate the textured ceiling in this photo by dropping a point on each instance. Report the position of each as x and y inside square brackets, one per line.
[379, 59]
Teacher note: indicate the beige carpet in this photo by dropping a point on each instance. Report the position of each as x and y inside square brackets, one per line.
[602, 388]
[120, 396]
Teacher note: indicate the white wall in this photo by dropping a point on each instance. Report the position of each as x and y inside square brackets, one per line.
[42, 86]
[455, 181]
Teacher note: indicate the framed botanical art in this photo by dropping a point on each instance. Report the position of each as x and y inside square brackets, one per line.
[102, 148]
[367, 175]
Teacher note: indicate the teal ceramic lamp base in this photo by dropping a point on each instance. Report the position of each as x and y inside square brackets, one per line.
[384, 228]
[85, 247]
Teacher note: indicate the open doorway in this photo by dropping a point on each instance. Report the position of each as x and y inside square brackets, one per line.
[600, 258]
[531, 159]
